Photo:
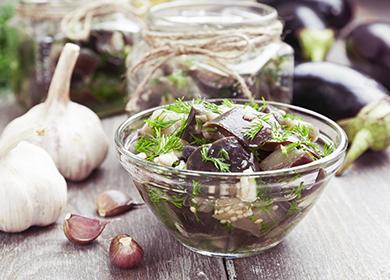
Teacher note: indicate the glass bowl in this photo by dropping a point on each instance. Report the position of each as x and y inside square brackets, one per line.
[231, 214]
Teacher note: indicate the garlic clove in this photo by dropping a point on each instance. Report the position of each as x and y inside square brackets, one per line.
[125, 252]
[112, 202]
[81, 230]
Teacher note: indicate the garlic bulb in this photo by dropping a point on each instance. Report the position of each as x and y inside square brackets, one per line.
[32, 191]
[71, 133]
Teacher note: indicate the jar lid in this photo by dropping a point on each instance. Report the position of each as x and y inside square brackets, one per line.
[186, 15]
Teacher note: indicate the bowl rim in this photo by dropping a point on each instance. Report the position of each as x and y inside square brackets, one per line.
[335, 155]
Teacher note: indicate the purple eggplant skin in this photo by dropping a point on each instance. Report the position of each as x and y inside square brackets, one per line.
[337, 13]
[333, 90]
[300, 18]
[368, 48]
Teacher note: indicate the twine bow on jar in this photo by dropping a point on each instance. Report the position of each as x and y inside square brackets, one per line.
[217, 45]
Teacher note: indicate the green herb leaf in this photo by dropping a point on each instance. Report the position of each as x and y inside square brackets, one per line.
[293, 209]
[156, 196]
[290, 147]
[199, 141]
[159, 123]
[180, 107]
[219, 163]
[328, 149]
[212, 107]
[297, 192]
[196, 188]
[153, 146]
[256, 126]
[228, 103]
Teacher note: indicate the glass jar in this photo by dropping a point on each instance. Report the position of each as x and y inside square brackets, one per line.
[265, 63]
[98, 80]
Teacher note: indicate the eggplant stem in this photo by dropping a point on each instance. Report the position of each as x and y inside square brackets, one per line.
[60, 83]
[350, 127]
[361, 143]
[316, 43]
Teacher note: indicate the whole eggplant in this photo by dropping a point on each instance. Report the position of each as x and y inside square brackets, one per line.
[306, 31]
[334, 90]
[368, 48]
[337, 13]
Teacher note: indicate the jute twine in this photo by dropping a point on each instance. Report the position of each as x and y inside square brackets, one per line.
[77, 24]
[219, 46]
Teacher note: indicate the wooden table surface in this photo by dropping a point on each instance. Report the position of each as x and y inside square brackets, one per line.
[345, 236]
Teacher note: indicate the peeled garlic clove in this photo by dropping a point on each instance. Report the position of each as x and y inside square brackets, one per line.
[125, 252]
[112, 202]
[81, 230]
[71, 133]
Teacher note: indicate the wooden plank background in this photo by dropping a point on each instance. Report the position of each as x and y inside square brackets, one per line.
[345, 236]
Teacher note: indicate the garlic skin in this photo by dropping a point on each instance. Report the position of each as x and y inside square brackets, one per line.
[32, 191]
[71, 133]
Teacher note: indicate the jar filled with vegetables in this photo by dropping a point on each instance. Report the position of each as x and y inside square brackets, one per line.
[105, 31]
[223, 49]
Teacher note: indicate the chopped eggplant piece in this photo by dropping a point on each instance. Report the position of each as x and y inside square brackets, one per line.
[239, 121]
[193, 132]
[187, 151]
[190, 130]
[224, 155]
[280, 159]
[273, 143]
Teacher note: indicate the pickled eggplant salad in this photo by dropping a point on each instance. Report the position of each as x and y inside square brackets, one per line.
[226, 137]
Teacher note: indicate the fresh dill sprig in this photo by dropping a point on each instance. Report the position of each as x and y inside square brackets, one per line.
[263, 104]
[266, 227]
[180, 106]
[223, 154]
[211, 107]
[153, 146]
[199, 141]
[210, 129]
[293, 209]
[290, 147]
[289, 116]
[219, 163]
[279, 134]
[196, 188]
[177, 201]
[253, 105]
[327, 149]
[157, 195]
[301, 131]
[256, 126]
[297, 192]
[257, 106]
[159, 123]
[228, 103]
